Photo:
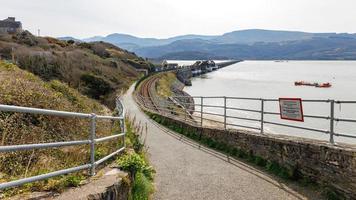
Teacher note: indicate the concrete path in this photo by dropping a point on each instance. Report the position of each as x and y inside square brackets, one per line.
[187, 171]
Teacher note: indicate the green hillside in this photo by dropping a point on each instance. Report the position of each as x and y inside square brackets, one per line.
[98, 70]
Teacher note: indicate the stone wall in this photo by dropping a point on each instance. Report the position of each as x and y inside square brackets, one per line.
[184, 76]
[330, 166]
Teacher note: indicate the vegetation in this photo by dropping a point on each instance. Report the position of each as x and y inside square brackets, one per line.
[164, 84]
[54, 74]
[136, 162]
[80, 65]
[22, 88]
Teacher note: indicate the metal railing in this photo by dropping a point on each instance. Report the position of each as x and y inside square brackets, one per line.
[91, 141]
[201, 113]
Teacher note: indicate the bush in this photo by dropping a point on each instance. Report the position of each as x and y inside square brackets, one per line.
[95, 86]
[73, 181]
[132, 163]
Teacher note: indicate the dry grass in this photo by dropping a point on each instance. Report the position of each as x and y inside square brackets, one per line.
[68, 62]
[164, 84]
[18, 87]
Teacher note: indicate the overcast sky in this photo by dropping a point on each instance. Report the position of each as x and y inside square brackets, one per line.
[166, 18]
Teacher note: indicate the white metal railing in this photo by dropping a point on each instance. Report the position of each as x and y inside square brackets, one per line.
[201, 111]
[92, 141]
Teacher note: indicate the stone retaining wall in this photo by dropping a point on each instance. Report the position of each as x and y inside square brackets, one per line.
[330, 166]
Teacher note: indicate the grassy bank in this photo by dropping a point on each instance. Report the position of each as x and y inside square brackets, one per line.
[99, 70]
[19, 87]
[136, 162]
[165, 83]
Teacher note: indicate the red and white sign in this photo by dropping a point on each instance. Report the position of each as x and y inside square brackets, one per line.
[291, 109]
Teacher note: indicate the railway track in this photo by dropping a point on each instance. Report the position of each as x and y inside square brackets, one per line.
[146, 93]
[148, 98]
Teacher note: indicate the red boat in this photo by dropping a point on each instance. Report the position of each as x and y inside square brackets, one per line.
[323, 85]
[319, 85]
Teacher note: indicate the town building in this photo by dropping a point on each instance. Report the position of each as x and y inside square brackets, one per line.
[10, 25]
[167, 65]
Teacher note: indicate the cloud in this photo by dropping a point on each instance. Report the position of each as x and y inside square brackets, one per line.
[163, 18]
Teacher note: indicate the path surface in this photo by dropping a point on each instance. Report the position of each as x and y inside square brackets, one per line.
[187, 171]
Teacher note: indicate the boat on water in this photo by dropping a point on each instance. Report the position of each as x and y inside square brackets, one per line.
[323, 85]
[319, 85]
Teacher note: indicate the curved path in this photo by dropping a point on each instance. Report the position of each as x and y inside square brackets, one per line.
[185, 170]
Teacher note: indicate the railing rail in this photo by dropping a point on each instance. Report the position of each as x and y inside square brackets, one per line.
[203, 109]
[92, 141]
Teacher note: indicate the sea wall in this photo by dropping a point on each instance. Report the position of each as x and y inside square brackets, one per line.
[332, 167]
[184, 76]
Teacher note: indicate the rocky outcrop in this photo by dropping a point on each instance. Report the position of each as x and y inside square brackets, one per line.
[113, 185]
[118, 191]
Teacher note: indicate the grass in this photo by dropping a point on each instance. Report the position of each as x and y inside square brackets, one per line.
[289, 173]
[142, 188]
[80, 65]
[136, 161]
[164, 85]
[18, 87]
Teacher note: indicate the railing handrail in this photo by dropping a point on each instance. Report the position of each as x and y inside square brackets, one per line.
[199, 105]
[30, 110]
[92, 141]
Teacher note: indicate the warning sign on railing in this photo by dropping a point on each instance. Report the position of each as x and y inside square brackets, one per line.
[291, 109]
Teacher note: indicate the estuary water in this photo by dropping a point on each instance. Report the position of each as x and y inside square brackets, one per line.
[270, 79]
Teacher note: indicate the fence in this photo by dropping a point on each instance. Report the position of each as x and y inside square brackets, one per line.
[91, 141]
[201, 113]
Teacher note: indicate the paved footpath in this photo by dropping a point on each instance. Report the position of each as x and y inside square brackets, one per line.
[186, 171]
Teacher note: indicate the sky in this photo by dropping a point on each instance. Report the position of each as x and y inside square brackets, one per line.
[167, 18]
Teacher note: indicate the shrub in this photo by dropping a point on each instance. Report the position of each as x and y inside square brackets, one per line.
[73, 180]
[45, 66]
[95, 86]
[132, 162]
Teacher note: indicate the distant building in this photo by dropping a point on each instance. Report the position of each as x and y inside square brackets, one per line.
[167, 65]
[10, 25]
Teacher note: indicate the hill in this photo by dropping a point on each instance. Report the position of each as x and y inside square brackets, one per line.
[244, 44]
[335, 48]
[132, 43]
[98, 70]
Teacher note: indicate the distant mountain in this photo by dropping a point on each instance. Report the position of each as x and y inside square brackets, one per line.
[132, 43]
[244, 44]
[312, 49]
[256, 35]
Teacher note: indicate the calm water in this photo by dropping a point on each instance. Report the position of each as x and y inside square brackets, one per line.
[269, 79]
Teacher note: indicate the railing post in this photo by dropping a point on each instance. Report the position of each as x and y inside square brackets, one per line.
[262, 114]
[225, 113]
[201, 117]
[92, 143]
[332, 117]
[185, 114]
[201, 111]
[122, 123]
